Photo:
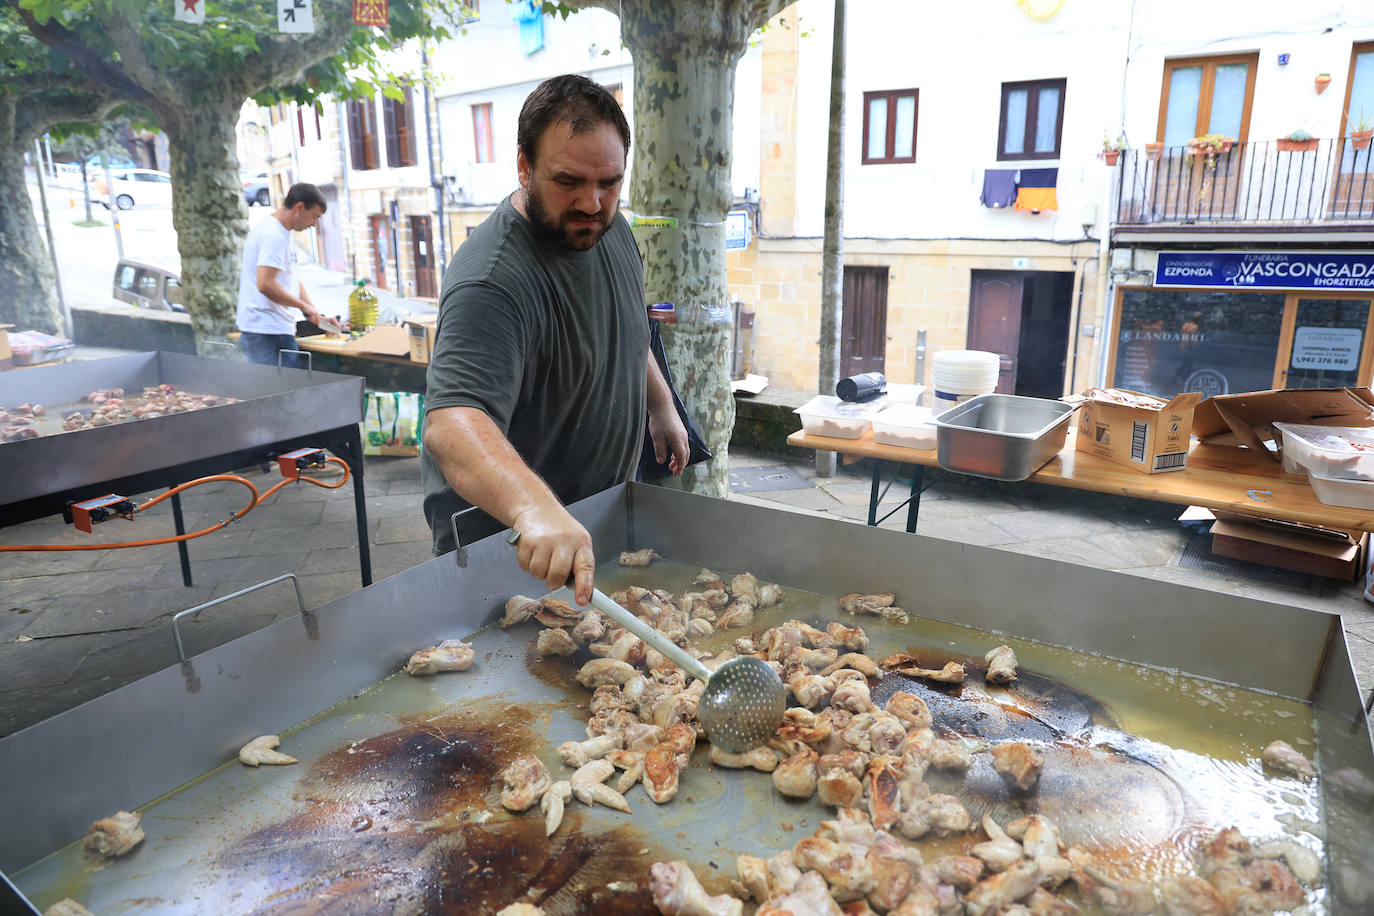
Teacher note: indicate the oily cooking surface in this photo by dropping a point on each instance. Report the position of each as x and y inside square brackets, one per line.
[388, 807]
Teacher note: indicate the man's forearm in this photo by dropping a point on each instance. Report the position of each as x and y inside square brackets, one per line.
[277, 293]
[482, 466]
[658, 394]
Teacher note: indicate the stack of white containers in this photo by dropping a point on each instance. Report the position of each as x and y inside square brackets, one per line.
[1338, 461]
[958, 375]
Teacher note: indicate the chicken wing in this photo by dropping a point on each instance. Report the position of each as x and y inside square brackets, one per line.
[552, 802]
[525, 781]
[939, 814]
[555, 642]
[259, 750]
[760, 758]
[588, 786]
[876, 606]
[809, 895]
[910, 709]
[639, 557]
[677, 892]
[1001, 890]
[449, 655]
[113, 836]
[1189, 895]
[1000, 852]
[1001, 665]
[1018, 764]
[1281, 756]
[796, 776]
[602, 671]
[579, 753]
[518, 610]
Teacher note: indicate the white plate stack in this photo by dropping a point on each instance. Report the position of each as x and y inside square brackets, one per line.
[958, 375]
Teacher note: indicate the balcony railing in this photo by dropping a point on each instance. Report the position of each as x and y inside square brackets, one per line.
[1328, 183]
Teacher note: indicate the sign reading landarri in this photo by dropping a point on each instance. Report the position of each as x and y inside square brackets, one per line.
[1266, 269]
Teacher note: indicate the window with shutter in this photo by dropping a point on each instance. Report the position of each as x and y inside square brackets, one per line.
[399, 120]
[362, 134]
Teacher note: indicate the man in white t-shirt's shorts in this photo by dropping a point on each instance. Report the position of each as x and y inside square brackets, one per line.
[269, 292]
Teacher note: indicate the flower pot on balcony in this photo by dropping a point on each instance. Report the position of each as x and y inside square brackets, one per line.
[1110, 156]
[1285, 145]
[1154, 150]
[1323, 80]
[1359, 139]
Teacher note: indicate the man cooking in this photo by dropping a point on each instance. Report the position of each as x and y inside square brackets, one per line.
[540, 379]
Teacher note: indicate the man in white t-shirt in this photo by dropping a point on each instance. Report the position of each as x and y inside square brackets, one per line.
[269, 293]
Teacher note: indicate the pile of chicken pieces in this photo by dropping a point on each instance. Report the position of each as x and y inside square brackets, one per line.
[866, 761]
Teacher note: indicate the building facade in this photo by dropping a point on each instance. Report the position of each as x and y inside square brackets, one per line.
[1241, 236]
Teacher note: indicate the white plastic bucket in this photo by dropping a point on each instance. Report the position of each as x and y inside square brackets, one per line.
[958, 375]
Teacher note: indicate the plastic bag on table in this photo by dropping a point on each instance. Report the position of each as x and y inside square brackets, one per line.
[393, 422]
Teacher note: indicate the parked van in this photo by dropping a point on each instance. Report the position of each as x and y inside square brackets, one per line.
[150, 282]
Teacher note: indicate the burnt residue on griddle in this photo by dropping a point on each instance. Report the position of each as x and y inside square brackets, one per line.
[1033, 707]
[410, 821]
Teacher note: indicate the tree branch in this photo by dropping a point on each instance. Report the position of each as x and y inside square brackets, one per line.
[129, 43]
[285, 57]
[91, 62]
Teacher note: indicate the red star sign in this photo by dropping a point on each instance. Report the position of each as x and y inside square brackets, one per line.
[189, 6]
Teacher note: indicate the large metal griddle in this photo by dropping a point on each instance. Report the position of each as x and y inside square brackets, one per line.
[140, 742]
[277, 410]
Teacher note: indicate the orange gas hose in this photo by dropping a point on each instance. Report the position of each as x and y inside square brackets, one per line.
[233, 478]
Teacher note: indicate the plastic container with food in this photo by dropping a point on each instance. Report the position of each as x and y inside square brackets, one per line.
[1343, 452]
[1338, 491]
[827, 415]
[905, 426]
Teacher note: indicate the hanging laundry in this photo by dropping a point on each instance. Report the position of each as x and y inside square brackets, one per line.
[1035, 190]
[999, 188]
[530, 15]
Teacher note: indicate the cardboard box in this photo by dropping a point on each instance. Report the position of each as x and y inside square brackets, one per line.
[385, 340]
[1150, 441]
[1244, 419]
[1319, 551]
[421, 338]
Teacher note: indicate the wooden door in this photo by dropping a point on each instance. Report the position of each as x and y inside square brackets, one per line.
[381, 250]
[994, 320]
[422, 254]
[863, 322]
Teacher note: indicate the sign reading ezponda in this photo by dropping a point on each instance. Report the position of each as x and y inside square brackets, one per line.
[1266, 269]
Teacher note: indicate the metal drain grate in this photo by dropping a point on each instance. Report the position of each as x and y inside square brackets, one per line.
[1197, 554]
[773, 477]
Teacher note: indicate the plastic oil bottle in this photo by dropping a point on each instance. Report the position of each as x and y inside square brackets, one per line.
[362, 306]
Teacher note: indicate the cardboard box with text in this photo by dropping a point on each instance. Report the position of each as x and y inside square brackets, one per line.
[1145, 439]
[421, 338]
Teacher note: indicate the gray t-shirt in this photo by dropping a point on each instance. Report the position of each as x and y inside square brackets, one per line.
[553, 345]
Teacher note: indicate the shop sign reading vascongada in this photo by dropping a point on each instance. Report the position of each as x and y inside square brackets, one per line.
[1258, 270]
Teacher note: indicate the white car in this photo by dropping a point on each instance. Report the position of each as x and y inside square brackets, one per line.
[136, 188]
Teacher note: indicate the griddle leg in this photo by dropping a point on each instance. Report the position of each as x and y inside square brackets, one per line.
[354, 444]
[182, 552]
[873, 494]
[913, 505]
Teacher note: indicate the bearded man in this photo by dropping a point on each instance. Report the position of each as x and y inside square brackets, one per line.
[540, 380]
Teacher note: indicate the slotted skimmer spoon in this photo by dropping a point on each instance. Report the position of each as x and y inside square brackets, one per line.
[744, 699]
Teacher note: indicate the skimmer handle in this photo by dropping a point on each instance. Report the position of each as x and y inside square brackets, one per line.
[653, 638]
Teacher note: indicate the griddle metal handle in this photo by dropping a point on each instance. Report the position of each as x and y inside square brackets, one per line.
[176, 632]
[652, 638]
[309, 360]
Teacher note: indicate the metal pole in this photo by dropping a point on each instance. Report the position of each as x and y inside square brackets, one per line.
[52, 245]
[114, 210]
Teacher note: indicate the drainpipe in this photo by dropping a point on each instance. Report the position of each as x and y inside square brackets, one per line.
[431, 138]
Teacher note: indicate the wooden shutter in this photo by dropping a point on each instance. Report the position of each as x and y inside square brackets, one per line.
[357, 157]
[405, 130]
[393, 153]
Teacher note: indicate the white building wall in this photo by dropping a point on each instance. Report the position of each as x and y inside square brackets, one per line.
[1316, 35]
[487, 65]
[958, 56]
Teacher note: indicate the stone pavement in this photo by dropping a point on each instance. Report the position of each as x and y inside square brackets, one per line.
[75, 625]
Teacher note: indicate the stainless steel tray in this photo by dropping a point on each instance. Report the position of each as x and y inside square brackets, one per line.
[1001, 436]
[277, 833]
